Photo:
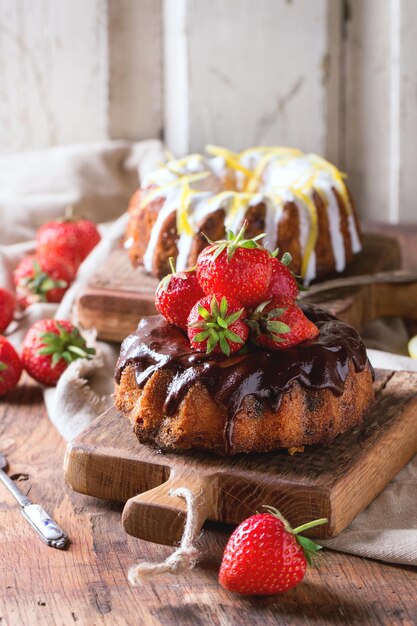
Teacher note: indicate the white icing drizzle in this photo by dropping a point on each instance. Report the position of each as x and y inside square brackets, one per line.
[281, 175]
[335, 227]
[273, 213]
[304, 221]
[311, 269]
[354, 235]
[170, 206]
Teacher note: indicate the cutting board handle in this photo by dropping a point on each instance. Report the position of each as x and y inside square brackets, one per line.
[158, 516]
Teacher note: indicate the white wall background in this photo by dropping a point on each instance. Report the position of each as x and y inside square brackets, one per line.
[338, 77]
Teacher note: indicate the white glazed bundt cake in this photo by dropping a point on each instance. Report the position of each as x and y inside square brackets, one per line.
[300, 200]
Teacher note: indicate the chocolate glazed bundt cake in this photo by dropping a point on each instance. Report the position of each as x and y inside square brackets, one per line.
[178, 399]
[300, 200]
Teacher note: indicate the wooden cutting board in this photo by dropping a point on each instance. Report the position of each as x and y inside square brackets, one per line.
[119, 295]
[336, 481]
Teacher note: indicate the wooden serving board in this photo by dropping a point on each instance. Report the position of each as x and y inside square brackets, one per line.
[336, 481]
[119, 295]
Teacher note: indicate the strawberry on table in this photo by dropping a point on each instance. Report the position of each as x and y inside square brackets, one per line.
[10, 366]
[283, 282]
[216, 325]
[176, 295]
[41, 279]
[88, 236]
[265, 556]
[237, 268]
[279, 323]
[49, 347]
[7, 305]
[69, 239]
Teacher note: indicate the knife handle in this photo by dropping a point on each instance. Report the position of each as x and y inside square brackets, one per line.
[45, 526]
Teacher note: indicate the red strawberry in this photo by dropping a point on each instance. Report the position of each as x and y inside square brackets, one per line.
[216, 325]
[69, 239]
[282, 281]
[88, 235]
[176, 295]
[279, 323]
[10, 366]
[41, 279]
[49, 347]
[265, 556]
[7, 304]
[237, 268]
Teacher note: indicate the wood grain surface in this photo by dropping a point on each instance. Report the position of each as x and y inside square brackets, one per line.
[87, 584]
[119, 295]
[336, 481]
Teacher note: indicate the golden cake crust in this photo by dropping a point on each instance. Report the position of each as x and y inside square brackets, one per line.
[305, 416]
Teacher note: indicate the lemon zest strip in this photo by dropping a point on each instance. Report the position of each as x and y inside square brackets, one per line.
[183, 223]
[231, 158]
[159, 191]
[302, 193]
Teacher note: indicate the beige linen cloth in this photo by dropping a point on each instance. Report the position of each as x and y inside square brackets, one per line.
[98, 180]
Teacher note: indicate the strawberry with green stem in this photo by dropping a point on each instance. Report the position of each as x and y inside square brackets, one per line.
[176, 295]
[216, 325]
[236, 267]
[265, 556]
[41, 279]
[50, 346]
[279, 323]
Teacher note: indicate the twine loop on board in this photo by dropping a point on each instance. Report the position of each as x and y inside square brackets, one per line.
[183, 558]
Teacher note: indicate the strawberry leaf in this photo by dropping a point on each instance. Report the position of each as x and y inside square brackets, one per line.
[276, 313]
[221, 322]
[223, 307]
[278, 327]
[214, 307]
[224, 346]
[219, 250]
[229, 334]
[56, 357]
[261, 306]
[198, 324]
[233, 317]
[286, 259]
[165, 282]
[250, 244]
[201, 336]
[309, 547]
[78, 351]
[47, 350]
[203, 312]
[211, 343]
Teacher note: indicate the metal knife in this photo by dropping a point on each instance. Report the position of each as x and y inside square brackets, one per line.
[38, 518]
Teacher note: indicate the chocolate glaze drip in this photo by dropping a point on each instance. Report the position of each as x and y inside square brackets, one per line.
[319, 364]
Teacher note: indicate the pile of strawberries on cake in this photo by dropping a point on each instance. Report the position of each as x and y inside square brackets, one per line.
[238, 292]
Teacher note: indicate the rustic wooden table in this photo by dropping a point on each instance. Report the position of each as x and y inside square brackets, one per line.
[87, 584]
